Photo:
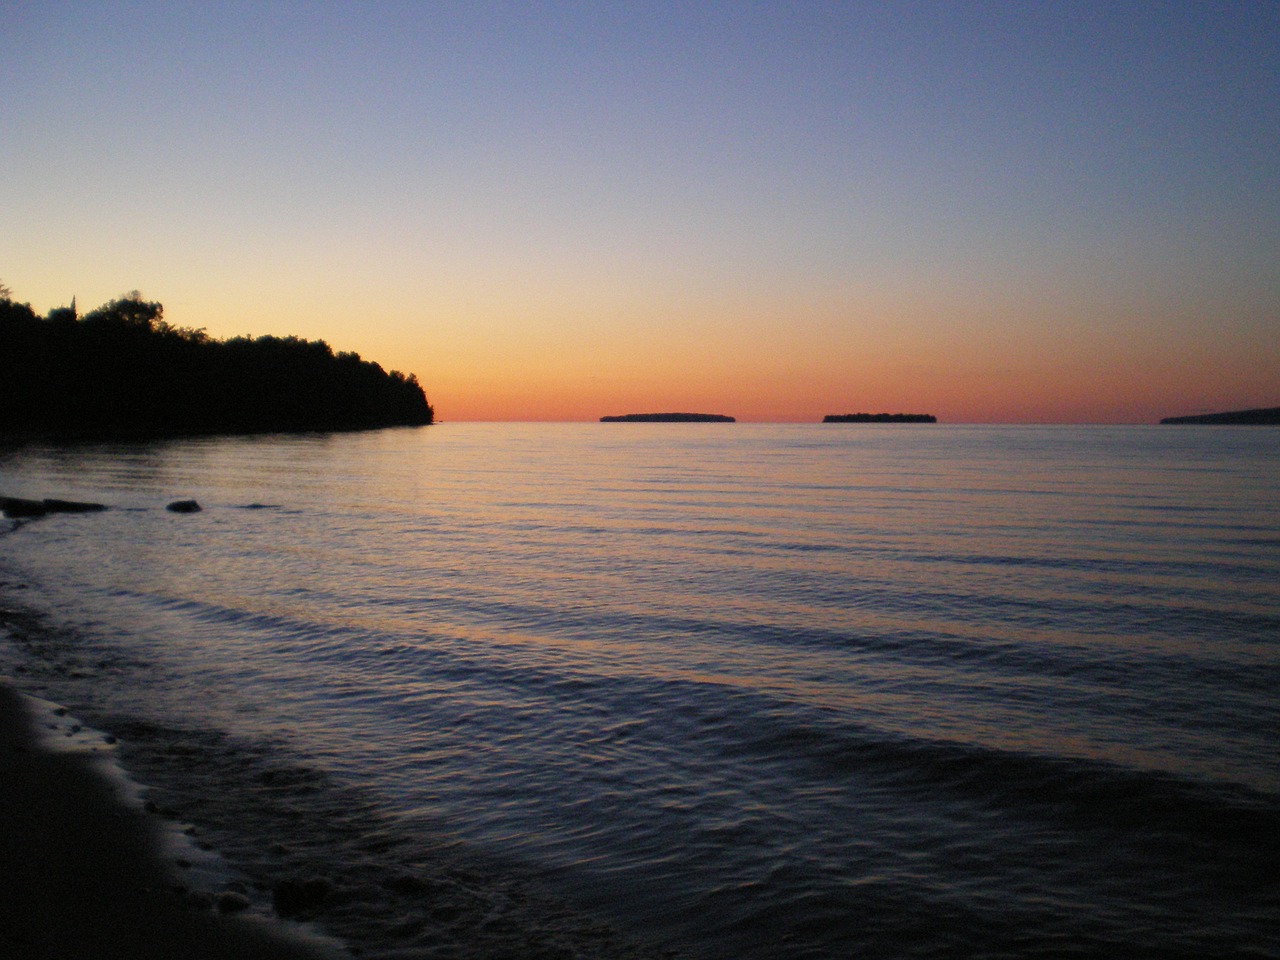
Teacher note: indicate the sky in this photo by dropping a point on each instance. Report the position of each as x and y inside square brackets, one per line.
[1019, 212]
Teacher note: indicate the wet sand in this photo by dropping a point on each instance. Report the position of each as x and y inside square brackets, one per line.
[83, 876]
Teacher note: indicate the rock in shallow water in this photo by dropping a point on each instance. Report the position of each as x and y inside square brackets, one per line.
[17, 507]
[72, 506]
[183, 506]
[291, 898]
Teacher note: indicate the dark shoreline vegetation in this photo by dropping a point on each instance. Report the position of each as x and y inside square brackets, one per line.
[879, 418]
[122, 371]
[1266, 416]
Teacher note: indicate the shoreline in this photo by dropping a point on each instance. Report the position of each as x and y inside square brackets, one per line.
[85, 873]
[90, 872]
[13, 441]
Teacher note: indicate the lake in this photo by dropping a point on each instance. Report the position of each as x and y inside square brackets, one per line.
[730, 690]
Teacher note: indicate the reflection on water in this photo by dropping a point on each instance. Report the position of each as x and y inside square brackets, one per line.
[768, 691]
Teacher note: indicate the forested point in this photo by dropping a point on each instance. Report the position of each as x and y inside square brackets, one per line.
[122, 370]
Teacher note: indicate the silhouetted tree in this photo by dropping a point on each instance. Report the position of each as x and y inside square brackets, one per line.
[130, 310]
[122, 370]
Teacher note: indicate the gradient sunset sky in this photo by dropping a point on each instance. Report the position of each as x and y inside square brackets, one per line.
[989, 211]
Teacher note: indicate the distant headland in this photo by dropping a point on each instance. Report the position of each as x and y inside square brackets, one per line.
[1264, 416]
[123, 371]
[669, 418]
[879, 418]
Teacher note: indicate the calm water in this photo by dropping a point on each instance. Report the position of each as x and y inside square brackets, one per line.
[742, 691]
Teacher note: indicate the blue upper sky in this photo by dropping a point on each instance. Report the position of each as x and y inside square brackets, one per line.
[602, 199]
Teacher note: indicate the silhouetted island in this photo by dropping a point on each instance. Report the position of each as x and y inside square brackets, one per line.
[669, 418]
[879, 418]
[122, 371]
[1264, 416]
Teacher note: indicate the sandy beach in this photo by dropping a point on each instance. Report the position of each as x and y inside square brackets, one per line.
[83, 874]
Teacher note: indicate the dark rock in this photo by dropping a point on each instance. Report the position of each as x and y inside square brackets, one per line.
[13, 507]
[183, 506]
[71, 506]
[292, 898]
[18, 507]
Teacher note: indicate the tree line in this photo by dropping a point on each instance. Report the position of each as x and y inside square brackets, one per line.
[123, 370]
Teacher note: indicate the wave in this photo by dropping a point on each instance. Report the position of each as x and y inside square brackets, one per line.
[1071, 792]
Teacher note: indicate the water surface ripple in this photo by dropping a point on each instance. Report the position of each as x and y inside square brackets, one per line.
[743, 691]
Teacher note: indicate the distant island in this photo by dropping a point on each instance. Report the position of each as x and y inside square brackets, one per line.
[879, 418]
[122, 371]
[669, 418]
[1264, 415]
